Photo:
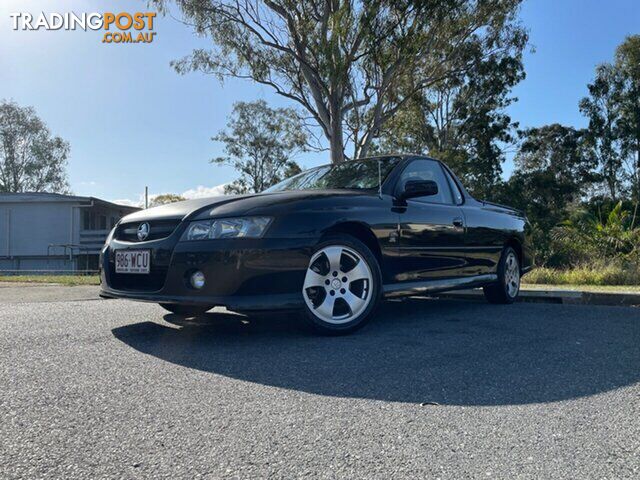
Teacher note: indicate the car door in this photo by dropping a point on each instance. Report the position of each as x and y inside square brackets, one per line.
[431, 243]
[487, 228]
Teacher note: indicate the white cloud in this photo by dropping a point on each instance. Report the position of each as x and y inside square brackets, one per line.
[198, 192]
[202, 192]
[127, 202]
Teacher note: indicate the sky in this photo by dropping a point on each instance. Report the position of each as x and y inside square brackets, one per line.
[132, 121]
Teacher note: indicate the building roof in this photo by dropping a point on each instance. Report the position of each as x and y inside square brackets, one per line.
[42, 197]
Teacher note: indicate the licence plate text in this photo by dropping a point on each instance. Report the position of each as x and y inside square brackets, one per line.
[133, 261]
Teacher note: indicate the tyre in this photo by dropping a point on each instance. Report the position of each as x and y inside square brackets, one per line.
[342, 285]
[506, 289]
[186, 310]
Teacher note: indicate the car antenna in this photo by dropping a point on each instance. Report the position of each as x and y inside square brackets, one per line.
[379, 180]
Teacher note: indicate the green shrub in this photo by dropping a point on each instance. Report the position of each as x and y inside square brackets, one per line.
[601, 230]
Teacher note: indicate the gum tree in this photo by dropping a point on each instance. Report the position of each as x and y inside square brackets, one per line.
[260, 144]
[350, 65]
[613, 110]
[31, 159]
[627, 62]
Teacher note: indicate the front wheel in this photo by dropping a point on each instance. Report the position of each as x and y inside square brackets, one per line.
[506, 289]
[186, 310]
[342, 285]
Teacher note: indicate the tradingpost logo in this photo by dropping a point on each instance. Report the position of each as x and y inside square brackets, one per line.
[123, 27]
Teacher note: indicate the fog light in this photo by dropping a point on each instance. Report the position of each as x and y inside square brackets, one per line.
[197, 280]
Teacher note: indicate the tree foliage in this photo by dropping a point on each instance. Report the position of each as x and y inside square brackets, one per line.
[552, 175]
[462, 120]
[558, 150]
[563, 174]
[613, 110]
[351, 65]
[165, 199]
[627, 63]
[260, 145]
[31, 159]
[602, 108]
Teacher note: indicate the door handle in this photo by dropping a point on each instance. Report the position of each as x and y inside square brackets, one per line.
[458, 222]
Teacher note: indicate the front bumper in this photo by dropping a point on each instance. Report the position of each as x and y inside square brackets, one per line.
[241, 274]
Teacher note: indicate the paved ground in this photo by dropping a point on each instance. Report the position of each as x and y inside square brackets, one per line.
[37, 293]
[433, 388]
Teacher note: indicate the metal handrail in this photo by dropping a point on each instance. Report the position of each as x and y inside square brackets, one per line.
[70, 247]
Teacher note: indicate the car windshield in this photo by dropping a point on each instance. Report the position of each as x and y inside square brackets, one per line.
[352, 174]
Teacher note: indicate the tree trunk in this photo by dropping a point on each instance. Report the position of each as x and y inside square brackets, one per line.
[337, 155]
[363, 151]
[638, 162]
[336, 141]
[611, 181]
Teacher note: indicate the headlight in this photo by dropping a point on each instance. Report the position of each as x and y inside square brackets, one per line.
[243, 227]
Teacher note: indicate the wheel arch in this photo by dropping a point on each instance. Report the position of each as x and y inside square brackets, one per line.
[516, 244]
[360, 231]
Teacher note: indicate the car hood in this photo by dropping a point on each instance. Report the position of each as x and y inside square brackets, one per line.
[227, 205]
[178, 210]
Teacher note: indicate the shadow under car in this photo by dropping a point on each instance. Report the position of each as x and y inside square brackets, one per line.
[421, 350]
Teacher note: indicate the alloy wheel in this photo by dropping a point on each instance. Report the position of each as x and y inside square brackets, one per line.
[512, 275]
[338, 284]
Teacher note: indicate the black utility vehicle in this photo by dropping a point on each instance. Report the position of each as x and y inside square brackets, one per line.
[331, 241]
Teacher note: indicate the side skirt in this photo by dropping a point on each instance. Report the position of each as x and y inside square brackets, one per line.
[435, 286]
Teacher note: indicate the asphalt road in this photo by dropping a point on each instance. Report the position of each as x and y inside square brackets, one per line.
[432, 389]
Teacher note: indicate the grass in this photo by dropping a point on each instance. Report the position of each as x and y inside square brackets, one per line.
[67, 280]
[582, 288]
[611, 274]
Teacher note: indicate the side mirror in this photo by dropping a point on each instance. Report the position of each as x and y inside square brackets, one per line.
[419, 188]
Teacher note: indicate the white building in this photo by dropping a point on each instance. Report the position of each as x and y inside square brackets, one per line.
[50, 231]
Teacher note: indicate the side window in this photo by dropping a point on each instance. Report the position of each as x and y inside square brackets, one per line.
[428, 170]
[457, 194]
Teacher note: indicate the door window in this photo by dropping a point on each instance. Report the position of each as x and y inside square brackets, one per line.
[428, 170]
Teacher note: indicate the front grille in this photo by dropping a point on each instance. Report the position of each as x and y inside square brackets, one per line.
[158, 229]
[160, 258]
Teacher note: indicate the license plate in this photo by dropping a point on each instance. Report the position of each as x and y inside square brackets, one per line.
[132, 261]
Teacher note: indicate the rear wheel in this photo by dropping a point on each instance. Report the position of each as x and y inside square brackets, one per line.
[506, 289]
[186, 310]
[341, 286]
